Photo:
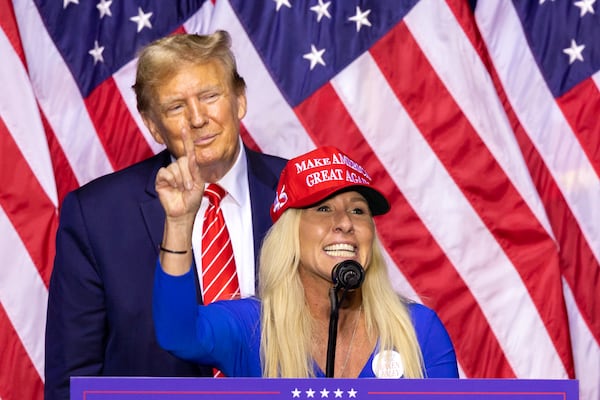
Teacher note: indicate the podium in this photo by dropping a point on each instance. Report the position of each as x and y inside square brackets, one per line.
[142, 388]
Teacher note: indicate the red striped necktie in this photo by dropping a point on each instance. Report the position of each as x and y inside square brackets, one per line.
[219, 276]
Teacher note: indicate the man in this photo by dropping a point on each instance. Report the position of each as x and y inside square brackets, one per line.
[100, 297]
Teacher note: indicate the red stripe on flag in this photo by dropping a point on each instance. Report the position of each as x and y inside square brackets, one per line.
[65, 177]
[581, 107]
[8, 24]
[26, 205]
[179, 30]
[117, 130]
[465, 156]
[247, 139]
[412, 248]
[19, 378]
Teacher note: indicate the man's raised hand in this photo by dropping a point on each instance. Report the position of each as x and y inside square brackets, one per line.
[180, 186]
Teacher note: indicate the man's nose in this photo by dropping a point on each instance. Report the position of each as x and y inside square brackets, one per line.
[197, 114]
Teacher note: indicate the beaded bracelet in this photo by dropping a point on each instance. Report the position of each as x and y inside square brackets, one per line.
[172, 251]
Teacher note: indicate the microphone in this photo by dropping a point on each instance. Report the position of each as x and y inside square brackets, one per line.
[348, 275]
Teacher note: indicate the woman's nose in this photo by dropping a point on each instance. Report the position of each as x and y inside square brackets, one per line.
[342, 222]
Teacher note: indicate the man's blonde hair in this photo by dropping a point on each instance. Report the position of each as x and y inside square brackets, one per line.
[164, 57]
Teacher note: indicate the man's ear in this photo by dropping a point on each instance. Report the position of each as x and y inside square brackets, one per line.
[242, 104]
[154, 131]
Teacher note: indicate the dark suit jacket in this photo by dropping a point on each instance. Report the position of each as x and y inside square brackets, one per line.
[100, 297]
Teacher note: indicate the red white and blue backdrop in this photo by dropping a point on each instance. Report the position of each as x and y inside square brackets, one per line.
[481, 120]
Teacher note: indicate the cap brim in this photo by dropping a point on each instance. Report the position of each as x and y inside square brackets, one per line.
[377, 202]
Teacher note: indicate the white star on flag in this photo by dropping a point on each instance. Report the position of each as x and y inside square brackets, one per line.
[310, 393]
[574, 51]
[96, 52]
[360, 18]
[282, 3]
[142, 20]
[352, 393]
[324, 393]
[322, 9]
[104, 8]
[296, 393]
[338, 393]
[67, 2]
[585, 6]
[315, 56]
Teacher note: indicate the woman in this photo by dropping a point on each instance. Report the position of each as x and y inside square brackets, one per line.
[323, 214]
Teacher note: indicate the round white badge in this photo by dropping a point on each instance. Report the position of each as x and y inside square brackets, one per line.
[388, 364]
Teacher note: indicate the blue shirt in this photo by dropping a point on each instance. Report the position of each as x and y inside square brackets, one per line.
[226, 334]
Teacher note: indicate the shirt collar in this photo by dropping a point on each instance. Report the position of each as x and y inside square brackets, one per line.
[234, 181]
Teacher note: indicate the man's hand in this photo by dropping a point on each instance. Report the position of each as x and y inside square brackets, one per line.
[180, 186]
[180, 189]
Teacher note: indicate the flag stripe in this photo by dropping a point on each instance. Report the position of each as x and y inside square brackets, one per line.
[26, 309]
[124, 79]
[28, 182]
[580, 107]
[587, 361]
[18, 380]
[26, 205]
[60, 164]
[8, 27]
[117, 131]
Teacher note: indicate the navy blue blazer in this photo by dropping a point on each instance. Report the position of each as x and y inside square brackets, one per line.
[99, 318]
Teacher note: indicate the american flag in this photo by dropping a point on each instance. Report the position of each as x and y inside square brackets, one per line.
[481, 121]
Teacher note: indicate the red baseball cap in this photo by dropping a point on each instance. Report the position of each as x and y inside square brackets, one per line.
[319, 174]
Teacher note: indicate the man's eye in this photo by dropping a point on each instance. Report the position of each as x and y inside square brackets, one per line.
[358, 211]
[210, 97]
[174, 108]
[323, 208]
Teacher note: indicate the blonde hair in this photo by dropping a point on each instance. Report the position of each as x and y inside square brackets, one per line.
[164, 57]
[284, 308]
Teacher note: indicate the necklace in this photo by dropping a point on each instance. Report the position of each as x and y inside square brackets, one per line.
[351, 341]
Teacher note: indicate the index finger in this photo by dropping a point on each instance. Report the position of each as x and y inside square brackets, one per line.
[188, 143]
[188, 148]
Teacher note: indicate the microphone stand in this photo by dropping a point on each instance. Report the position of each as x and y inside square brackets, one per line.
[347, 275]
[333, 325]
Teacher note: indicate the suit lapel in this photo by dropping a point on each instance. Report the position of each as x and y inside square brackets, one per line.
[262, 184]
[152, 211]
